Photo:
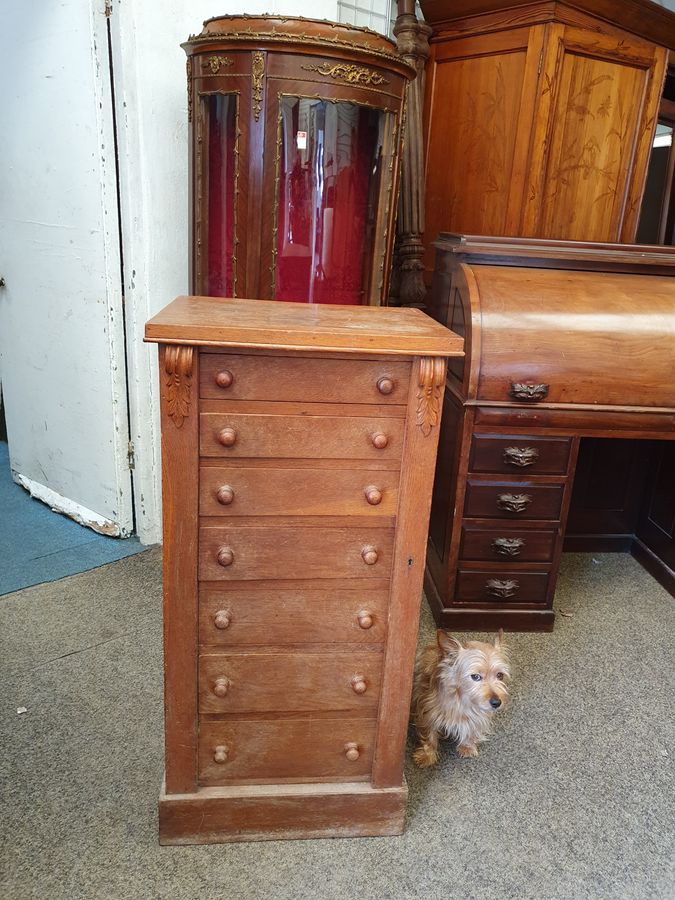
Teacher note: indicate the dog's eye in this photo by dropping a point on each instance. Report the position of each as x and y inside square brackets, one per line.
[500, 676]
[475, 676]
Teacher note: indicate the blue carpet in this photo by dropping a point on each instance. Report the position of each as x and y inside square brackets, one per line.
[38, 545]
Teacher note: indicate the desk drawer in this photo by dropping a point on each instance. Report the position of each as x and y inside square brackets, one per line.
[283, 552]
[243, 435]
[502, 587]
[513, 500]
[295, 749]
[507, 544]
[519, 454]
[287, 682]
[288, 378]
[242, 491]
[237, 617]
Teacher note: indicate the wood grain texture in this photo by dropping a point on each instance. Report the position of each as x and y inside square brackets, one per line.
[291, 378]
[273, 552]
[310, 553]
[303, 436]
[540, 501]
[552, 108]
[419, 454]
[290, 681]
[301, 326]
[504, 543]
[642, 17]
[275, 615]
[552, 348]
[478, 87]
[303, 750]
[593, 97]
[473, 585]
[179, 509]
[519, 453]
[281, 812]
[297, 492]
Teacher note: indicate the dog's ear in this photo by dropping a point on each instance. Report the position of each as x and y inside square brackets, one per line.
[499, 639]
[449, 645]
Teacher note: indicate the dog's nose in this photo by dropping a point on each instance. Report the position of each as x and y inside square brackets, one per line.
[495, 703]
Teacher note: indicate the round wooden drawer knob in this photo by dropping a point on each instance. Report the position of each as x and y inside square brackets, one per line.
[224, 379]
[221, 686]
[379, 440]
[359, 685]
[369, 555]
[222, 619]
[225, 494]
[352, 751]
[227, 437]
[365, 619]
[373, 495]
[385, 385]
[225, 556]
[220, 753]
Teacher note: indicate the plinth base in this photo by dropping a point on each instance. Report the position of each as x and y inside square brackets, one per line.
[280, 812]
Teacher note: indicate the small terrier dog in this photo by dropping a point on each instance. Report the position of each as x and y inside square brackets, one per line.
[457, 689]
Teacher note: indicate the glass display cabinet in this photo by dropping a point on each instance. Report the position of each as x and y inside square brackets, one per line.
[295, 137]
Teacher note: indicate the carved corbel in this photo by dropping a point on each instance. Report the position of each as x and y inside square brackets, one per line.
[178, 382]
[408, 289]
[430, 392]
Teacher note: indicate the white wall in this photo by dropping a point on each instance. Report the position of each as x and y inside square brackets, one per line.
[151, 104]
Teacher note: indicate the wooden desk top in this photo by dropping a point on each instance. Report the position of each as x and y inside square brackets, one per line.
[272, 325]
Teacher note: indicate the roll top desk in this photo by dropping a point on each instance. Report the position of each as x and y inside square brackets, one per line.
[563, 341]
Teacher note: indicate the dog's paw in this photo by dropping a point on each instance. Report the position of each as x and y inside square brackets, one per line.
[467, 750]
[425, 757]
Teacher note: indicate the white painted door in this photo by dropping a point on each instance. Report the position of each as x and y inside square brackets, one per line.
[62, 360]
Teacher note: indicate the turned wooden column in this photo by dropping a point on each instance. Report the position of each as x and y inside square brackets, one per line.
[412, 38]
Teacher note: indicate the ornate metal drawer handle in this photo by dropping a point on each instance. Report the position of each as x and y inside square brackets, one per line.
[514, 502]
[521, 456]
[505, 546]
[522, 391]
[497, 588]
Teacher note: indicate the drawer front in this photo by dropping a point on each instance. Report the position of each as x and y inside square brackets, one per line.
[519, 454]
[297, 749]
[513, 500]
[297, 492]
[234, 377]
[276, 615]
[279, 552]
[507, 544]
[286, 682]
[501, 587]
[241, 435]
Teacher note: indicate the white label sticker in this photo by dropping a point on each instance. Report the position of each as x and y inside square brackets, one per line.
[301, 140]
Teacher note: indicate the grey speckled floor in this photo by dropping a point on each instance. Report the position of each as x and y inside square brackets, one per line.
[571, 799]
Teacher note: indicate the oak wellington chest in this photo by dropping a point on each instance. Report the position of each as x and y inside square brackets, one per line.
[298, 448]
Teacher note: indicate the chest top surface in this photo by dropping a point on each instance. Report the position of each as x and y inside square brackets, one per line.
[264, 324]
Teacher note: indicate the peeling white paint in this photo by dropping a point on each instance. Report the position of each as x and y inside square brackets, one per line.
[69, 508]
[61, 321]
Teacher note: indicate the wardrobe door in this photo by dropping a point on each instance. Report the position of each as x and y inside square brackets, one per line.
[598, 101]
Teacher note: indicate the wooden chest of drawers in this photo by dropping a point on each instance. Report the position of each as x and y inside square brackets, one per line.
[298, 449]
